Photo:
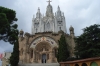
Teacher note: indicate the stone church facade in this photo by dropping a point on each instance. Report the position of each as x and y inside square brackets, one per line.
[41, 45]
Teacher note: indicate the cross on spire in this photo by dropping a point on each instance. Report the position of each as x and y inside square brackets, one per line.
[49, 1]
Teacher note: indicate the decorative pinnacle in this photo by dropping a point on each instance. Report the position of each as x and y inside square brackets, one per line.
[58, 8]
[49, 2]
[38, 9]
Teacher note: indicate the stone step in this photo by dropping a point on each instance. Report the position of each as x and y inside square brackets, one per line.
[40, 64]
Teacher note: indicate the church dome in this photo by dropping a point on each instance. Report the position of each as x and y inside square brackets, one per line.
[71, 28]
[21, 32]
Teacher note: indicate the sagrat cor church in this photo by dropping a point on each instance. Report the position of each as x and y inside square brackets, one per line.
[41, 45]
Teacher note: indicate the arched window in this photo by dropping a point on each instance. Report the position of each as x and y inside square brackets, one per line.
[84, 64]
[76, 65]
[93, 64]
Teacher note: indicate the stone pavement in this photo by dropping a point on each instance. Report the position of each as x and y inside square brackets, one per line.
[40, 64]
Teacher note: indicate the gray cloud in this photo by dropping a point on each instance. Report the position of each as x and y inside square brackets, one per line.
[78, 13]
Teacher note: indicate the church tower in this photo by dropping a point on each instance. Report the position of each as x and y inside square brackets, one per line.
[36, 22]
[60, 21]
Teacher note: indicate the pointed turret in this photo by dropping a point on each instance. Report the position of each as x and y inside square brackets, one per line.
[58, 11]
[58, 8]
[38, 10]
[38, 14]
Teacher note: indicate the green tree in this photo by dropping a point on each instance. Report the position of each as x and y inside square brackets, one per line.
[9, 31]
[7, 24]
[88, 43]
[14, 59]
[63, 52]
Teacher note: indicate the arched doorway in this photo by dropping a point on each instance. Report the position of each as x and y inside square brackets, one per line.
[44, 58]
[76, 65]
[43, 49]
[93, 64]
[84, 64]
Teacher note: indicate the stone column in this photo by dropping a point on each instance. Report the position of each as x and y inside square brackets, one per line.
[24, 57]
[29, 56]
[53, 55]
[33, 56]
[50, 56]
[39, 57]
[36, 56]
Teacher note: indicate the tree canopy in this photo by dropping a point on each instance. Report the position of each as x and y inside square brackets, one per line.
[88, 43]
[7, 25]
[63, 52]
[9, 32]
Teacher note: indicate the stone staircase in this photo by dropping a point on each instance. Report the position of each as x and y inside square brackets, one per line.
[40, 64]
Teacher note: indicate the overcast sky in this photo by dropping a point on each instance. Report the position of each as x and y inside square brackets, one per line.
[78, 13]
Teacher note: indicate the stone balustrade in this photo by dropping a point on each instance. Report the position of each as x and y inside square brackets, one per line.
[83, 62]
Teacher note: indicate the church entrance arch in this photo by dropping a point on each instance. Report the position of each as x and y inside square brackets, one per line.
[43, 50]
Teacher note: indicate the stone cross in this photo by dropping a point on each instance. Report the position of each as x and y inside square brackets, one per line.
[49, 1]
